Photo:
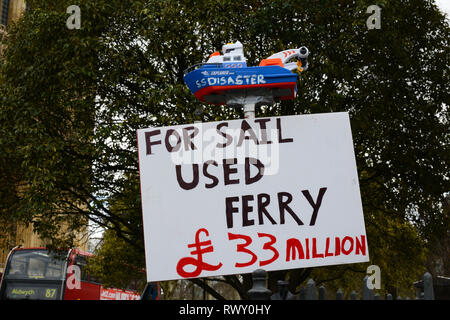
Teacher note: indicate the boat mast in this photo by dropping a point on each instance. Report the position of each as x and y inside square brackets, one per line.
[249, 111]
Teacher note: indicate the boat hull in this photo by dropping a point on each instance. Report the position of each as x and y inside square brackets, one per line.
[218, 85]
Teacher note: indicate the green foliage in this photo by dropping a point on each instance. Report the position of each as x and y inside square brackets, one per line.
[116, 265]
[71, 101]
[394, 246]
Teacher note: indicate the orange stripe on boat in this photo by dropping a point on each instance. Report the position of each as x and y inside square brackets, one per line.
[271, 62]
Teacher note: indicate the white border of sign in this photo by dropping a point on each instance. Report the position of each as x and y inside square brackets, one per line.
[233, 196]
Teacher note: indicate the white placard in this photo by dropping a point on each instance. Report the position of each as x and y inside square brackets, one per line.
[230, 197]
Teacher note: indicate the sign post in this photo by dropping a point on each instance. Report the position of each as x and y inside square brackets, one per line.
[249, 111]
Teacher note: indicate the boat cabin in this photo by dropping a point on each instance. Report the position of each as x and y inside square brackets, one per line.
[232, 56]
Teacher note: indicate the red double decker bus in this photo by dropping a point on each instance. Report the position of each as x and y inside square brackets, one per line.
[40, 274]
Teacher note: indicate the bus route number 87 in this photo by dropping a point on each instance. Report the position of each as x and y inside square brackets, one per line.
[50, 293]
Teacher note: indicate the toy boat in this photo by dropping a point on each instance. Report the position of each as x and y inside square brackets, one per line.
[226, 79]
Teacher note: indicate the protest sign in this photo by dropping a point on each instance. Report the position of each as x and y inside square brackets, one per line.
[233, 196]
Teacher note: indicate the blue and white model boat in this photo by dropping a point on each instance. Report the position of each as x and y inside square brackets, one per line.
[226, 78]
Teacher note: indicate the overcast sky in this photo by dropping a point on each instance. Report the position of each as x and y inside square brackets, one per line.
[444, 5]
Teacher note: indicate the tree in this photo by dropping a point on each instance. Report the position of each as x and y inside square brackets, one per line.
[116, 265]
[72, 100]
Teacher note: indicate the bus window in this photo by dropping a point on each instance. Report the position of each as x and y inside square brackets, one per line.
[33, 274]
[17, 270]
[81, 262]
[35, 264]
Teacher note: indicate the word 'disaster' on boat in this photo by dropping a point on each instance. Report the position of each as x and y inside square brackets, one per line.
[233, 196]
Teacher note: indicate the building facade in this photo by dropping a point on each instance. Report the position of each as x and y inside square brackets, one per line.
[18, 234]
[11, 10]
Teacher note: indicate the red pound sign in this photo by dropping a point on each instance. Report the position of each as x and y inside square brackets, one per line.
[198, 263]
